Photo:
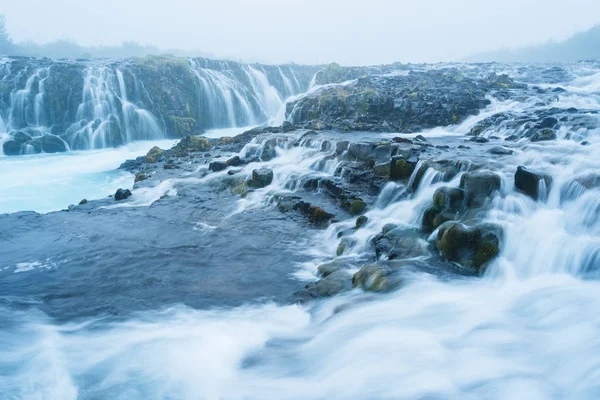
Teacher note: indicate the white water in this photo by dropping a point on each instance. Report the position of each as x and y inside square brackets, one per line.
[529, 329]
[50, 182]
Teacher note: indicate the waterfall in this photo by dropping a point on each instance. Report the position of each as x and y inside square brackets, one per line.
[93, 105]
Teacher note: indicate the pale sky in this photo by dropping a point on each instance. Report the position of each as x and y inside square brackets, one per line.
[306, 31]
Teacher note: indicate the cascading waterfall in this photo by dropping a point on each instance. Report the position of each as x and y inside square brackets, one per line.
[106, 118]
[110, 104]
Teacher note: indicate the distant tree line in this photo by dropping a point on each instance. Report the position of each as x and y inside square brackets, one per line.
[67, 48]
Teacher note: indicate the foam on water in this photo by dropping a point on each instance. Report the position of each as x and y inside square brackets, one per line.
[529, 328]
[50, 182]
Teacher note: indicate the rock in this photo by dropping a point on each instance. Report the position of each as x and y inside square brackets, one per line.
[153, 155]
[479, 187]
[357, 207]
[261, 177]
[530, 182]
[479, 139]
[140, 176]
[122, 194]
[217, 166]
[11, 148]
[234, 161]
[169, 166]
[471, 246]
[83, 201]
[500, 151]
[585, 143]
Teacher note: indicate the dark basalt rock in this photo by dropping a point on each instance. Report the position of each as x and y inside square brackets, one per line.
[122, 194]
[543, 135]
[529, 182]
[217, 166]
[11, 148]
[234, 161]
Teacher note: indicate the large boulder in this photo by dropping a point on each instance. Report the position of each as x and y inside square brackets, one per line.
[471, 246]
[217, 166]
[532, 183]
[49, 144]
[479, 187]
[11, 148]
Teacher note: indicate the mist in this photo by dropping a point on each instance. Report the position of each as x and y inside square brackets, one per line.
[304, 31]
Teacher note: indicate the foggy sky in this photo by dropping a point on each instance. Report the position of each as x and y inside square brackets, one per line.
[306, 31]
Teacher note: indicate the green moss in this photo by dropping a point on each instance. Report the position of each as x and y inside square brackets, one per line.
[193, 143]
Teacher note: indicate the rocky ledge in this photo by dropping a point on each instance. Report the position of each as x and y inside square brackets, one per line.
[407, 102]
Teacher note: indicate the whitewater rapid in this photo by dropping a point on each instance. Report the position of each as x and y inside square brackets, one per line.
[528, 329]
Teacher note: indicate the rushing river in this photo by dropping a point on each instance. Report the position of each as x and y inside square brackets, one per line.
[528, 329]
